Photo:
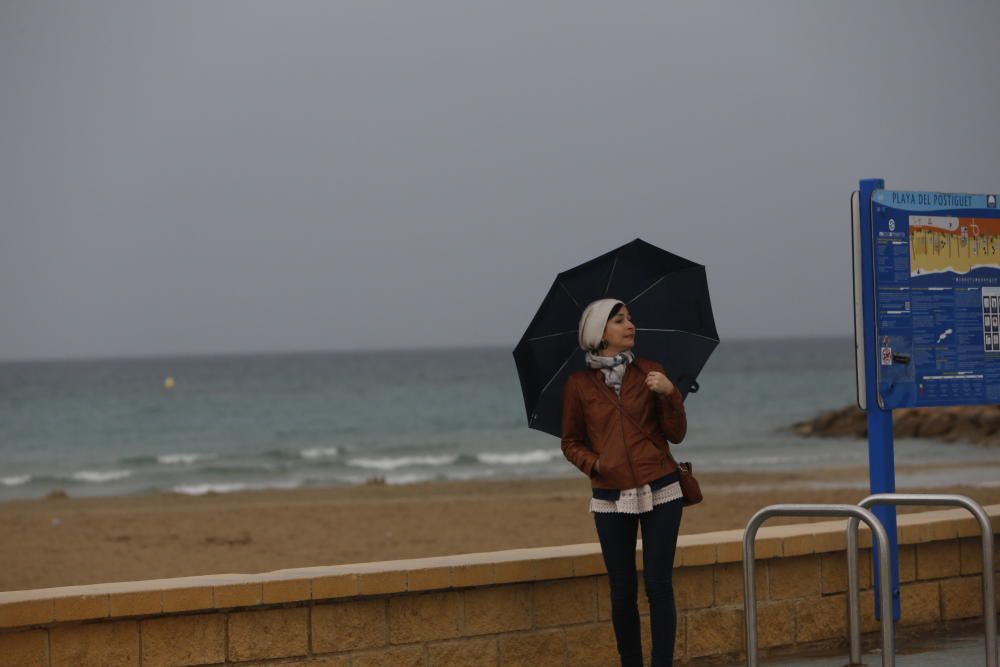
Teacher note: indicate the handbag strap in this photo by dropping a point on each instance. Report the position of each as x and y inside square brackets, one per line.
[635, 422]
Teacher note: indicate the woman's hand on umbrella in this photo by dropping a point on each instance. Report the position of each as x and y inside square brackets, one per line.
[659, 383]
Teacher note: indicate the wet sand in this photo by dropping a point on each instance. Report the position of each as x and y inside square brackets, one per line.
[67, 541]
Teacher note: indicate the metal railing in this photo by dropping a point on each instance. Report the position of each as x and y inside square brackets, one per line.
[989, 601]
[854, 512]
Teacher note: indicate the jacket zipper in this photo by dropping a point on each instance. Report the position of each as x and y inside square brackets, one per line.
[621, 420]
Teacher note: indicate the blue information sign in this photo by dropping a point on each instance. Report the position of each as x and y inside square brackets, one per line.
[936, 260]
[927, 317]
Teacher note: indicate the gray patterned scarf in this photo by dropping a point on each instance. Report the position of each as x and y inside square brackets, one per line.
[612, 367]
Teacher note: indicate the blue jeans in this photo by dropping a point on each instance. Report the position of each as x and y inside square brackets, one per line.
[617, 533]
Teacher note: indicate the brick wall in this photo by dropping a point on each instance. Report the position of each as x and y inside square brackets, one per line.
[520, 608]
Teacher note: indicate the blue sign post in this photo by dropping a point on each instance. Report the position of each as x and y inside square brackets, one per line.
[927, 316]
[881, 462]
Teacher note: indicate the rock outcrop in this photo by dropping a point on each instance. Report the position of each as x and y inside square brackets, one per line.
[977, 424]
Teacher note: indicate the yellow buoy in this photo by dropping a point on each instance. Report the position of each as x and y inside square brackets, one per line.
[168, 383]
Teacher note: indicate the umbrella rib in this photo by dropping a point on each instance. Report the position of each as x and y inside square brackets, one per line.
[687, 333]
[561, 333]
[565, 289]
[554, 376]
[660, 280]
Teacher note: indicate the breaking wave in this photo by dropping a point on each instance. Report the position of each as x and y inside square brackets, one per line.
[519, 458]
[391, 463]
[100, 476]
[319, 452]
[186, 459]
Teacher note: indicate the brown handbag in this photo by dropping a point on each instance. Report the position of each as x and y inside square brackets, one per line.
[690, 488]
[689, 485]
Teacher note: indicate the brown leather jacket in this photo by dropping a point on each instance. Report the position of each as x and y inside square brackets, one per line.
[593, 427]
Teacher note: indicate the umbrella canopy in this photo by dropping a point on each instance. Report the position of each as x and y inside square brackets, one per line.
[667, 296]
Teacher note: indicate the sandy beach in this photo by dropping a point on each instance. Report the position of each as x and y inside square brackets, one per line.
[67, 541]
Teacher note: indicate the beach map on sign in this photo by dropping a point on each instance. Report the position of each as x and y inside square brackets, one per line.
[937, 303]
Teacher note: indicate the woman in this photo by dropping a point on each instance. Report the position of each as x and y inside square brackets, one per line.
[617, 419]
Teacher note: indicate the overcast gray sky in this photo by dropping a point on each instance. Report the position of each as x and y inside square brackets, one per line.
[196, 177]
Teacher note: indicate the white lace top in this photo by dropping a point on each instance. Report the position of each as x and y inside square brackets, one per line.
[638, 500]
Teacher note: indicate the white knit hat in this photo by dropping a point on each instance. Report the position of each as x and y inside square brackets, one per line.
[592, 322]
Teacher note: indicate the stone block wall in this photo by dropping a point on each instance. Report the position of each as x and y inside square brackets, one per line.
[545, 607]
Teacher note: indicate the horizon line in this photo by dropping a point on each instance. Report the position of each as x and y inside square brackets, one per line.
[367, 350]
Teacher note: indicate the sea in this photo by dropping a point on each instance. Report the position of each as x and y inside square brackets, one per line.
[290, 420]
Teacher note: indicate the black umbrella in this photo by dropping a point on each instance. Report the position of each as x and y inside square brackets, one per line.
[667, 296]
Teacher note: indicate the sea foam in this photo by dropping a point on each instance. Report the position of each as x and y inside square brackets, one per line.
[391, 463]
[519, 458]
[319, 452]
[100, 476]
[202, 489]
[231, 487]
[187, 459]
[407, 478]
